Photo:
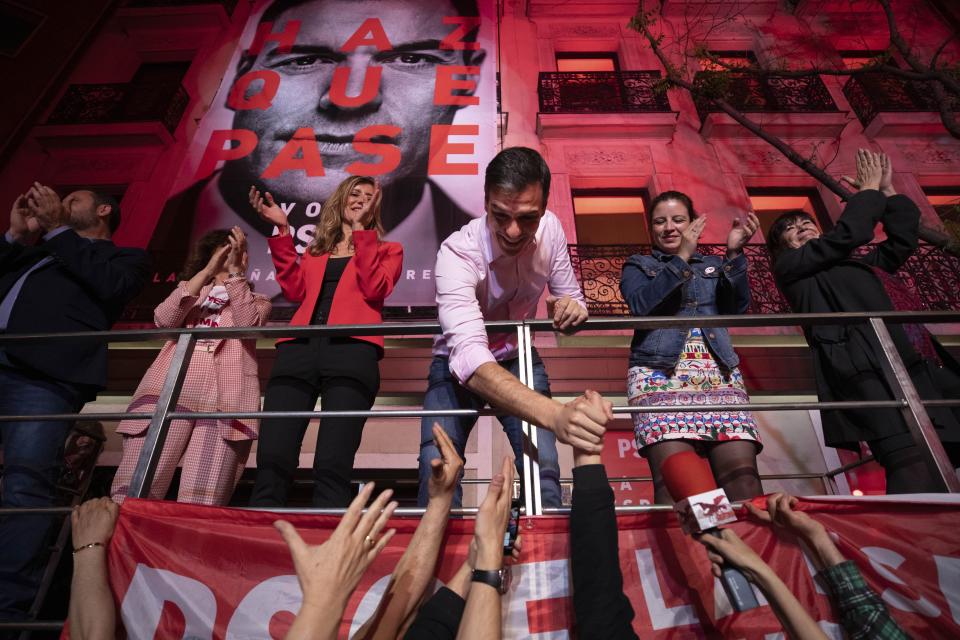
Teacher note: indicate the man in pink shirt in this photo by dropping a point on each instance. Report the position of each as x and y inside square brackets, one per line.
[496, 268]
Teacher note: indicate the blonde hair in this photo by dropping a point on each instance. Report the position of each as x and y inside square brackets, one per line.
[329, 230]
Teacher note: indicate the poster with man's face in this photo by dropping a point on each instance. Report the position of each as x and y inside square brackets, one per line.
[321, 90]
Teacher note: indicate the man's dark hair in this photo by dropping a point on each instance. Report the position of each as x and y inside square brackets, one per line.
[775, 242]
[679, 196]
[100, 199]
[516, 168]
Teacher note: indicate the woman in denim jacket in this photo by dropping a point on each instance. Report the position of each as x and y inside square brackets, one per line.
[676, 367]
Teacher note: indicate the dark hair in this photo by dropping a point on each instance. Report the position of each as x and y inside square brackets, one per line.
[100, 199]
[202, 250]
[515, 169]
[775, 242]
[679, 196]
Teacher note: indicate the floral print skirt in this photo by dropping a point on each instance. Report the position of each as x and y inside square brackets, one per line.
[697, 379]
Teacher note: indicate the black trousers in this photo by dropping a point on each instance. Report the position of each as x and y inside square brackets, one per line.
[345, 374]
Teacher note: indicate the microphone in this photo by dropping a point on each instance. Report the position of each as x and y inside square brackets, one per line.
[701, 508]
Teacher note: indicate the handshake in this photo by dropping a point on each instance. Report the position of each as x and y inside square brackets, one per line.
[581, 424]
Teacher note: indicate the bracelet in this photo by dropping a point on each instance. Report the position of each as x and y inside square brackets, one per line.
[88, 546]
[239, 274]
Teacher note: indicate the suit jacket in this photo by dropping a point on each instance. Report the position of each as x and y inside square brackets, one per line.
[84, 288]
[823, 276]
[170, 243]
[234, 360]
[367, 280]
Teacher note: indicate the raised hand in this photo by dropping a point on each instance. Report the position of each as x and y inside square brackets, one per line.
[24, 227]
[45, 205]
[730, 550]
[329, 572]
[741, 231]
[237, 258]
[492, 518]
[366, 212]
[215, 265]
[691, 237]
[445, 470]
[886, 176]
[869, 170]
[94, 521]
[267, 209]
[566, 312]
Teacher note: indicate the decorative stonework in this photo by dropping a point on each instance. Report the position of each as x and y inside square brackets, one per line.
[932, 155]
[602, 30]
[601, 160]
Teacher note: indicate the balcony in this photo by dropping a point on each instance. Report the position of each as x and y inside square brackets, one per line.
[126, 110]
[618, 103]
[793, 107]
[890, 106]
[933, 275]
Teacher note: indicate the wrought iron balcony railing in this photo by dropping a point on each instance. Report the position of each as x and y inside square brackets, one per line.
[873, 93]
[602, 92]
[933, 274]
[752, 94]
[121, 102]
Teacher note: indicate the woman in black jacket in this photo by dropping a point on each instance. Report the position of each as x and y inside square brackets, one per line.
[819, 273]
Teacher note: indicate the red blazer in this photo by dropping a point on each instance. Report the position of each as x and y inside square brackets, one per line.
[367, 280]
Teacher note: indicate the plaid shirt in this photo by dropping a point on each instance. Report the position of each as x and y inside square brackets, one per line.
[862, 613]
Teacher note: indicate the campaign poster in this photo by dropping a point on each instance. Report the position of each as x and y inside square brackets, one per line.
[320, 90]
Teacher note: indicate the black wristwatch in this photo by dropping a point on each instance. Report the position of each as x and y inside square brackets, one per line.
[498, 579]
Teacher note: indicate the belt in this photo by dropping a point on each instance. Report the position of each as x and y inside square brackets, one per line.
[209, 347]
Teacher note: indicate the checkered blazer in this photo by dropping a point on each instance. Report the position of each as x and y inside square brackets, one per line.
[235, 360]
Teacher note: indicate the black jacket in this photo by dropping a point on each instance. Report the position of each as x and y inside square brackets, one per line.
[823, 276]
[84, 288]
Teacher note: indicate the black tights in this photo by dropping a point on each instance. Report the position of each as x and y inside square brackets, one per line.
[734, 465]
[907, 471]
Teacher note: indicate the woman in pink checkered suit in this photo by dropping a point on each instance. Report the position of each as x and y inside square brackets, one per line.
[222, 376]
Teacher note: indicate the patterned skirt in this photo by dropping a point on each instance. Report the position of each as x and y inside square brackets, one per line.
[697, 379]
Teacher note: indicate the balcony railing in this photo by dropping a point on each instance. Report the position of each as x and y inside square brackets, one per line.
[121, 102]
[752, 94]
[933, 275]
[873, 93]
[602, 92]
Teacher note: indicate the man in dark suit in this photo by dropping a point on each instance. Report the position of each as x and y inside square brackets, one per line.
[59, 272]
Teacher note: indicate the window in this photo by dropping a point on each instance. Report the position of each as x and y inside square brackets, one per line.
[946, 202]
[769, 203]
[728, 58]
[859, 59]
[610, 216]
[580, 61]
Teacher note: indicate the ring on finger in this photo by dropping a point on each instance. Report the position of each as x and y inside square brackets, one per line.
[369, 541]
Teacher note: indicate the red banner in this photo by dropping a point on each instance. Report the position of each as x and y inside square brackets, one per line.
[200, 572]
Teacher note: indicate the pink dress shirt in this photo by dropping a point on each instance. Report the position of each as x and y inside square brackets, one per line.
[476, 282]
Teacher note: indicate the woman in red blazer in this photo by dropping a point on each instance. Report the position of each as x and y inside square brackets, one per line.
[342, 278]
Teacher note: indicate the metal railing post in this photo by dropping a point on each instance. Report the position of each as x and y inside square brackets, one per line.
[531, 453]
[915, 414]
[160, 422]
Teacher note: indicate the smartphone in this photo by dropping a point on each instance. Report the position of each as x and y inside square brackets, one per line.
[513, 525]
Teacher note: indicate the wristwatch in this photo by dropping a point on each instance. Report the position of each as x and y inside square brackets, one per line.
[499, 579]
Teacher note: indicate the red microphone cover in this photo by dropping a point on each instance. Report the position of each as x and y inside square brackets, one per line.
[687, 474]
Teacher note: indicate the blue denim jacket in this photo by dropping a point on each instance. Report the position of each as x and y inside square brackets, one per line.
[662, 284]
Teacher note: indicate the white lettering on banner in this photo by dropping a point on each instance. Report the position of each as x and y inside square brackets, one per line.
[313, 209]
[831, 630]
[661, 616]
[626, 486]
[948, 575]
[411, 274]
[251, 619]
[880, 558]
[625, 445]
[150, 588]
[305, 233]
[371, 600]
[534, 581]
[287, 208]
